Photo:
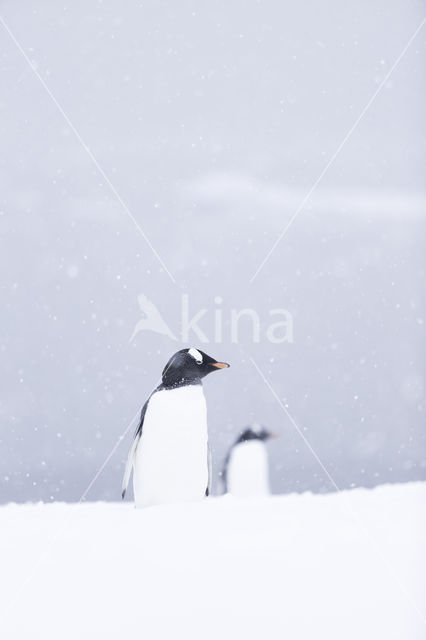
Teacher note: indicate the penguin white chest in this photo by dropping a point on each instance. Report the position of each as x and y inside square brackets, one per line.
[248, 472]
[171, 458]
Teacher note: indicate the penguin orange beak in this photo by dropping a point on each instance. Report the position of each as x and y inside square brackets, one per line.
[274, 435]
[220, 365]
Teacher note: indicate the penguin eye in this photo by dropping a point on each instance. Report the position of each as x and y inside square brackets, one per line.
[199, 362]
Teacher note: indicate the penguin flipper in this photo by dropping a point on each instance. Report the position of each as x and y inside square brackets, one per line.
[129, 466]
[209, 468]
[132, 452]
[224, 473]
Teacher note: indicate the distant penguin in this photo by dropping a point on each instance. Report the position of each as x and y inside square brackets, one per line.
[170, 455]
[246, 472]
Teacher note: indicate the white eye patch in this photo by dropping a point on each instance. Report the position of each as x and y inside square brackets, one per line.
[194, 353]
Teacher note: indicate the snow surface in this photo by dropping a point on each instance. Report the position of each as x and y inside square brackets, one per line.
[287, 567]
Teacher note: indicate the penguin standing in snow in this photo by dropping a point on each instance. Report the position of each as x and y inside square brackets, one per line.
[169, 455]
[245, 472]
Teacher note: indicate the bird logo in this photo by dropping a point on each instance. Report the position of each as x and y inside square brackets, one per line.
[152, 320]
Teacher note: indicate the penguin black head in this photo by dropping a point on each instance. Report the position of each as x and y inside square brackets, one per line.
[255, 432]
[189, 366]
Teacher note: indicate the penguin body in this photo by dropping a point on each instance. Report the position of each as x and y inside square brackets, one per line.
[246, 471]
[169, 455]
[171, 458]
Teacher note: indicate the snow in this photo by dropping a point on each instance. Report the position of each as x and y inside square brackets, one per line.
[247, 473]
[283, 567]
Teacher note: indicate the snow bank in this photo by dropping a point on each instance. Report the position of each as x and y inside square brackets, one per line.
[298, 566]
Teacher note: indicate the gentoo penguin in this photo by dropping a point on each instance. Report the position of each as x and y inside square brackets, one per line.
[245, 472]
[169, 455]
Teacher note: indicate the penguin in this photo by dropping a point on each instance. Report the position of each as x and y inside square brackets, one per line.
[170, 457]
[245, 471]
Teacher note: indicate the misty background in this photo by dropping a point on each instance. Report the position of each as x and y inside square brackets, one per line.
[212, 120]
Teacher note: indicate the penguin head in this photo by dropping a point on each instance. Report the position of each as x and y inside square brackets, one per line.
[189, 366]
[255, 432]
